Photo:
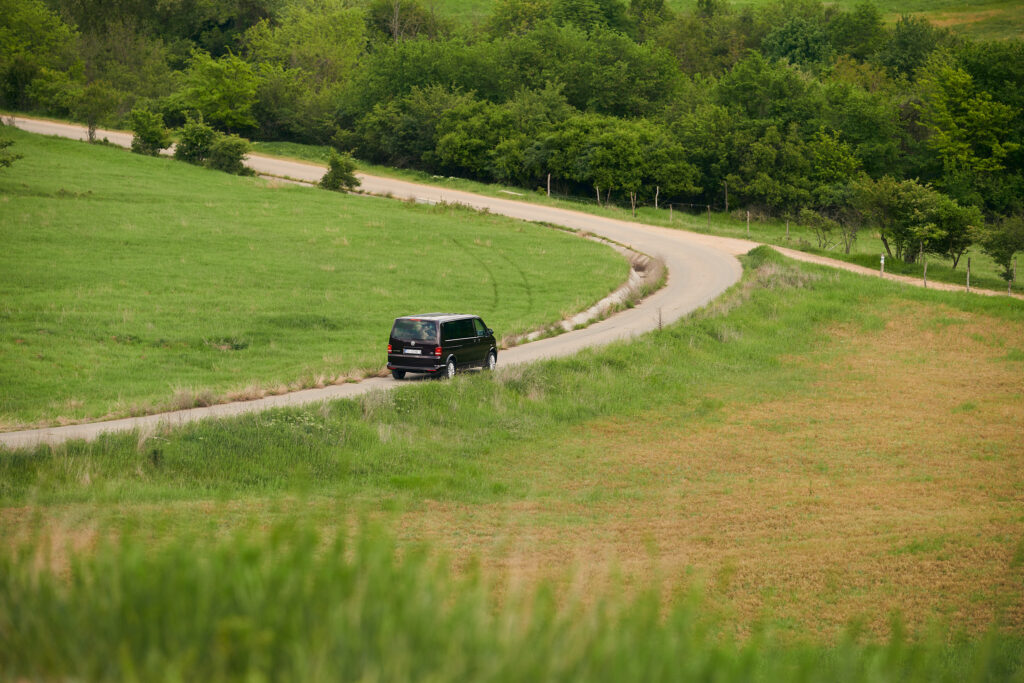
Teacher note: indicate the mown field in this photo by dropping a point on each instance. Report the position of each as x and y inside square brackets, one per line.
[979, 19]
[132, 284]
[817, 478]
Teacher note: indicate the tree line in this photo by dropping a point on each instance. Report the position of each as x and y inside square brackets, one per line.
[793, 109]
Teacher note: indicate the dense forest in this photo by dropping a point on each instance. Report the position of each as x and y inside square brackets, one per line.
[793, 109]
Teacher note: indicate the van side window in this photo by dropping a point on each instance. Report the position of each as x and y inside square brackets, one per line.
[481, 329]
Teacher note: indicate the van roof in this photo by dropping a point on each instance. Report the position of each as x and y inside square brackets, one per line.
[439, 317]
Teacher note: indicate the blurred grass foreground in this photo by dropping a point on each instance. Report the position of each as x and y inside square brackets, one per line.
[290, 604]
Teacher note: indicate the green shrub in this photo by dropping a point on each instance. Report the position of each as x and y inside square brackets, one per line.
[227, 153]
[7, 158]
[195, 140]
[151, 135]
[340, 174]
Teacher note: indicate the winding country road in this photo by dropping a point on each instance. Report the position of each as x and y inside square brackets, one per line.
[700, 267]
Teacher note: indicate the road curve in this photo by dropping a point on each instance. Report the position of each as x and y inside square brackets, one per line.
[699, 269]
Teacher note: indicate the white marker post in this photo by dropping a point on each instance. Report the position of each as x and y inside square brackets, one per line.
[881, 268]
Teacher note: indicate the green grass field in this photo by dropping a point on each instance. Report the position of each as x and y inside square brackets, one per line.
[134, 284]
[980, 19]
[822, 456]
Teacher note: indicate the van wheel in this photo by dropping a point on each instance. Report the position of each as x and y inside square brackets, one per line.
[449, 370]
[492, 361]
[398, 374]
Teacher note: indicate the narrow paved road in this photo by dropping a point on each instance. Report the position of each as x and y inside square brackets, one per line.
[700, 267]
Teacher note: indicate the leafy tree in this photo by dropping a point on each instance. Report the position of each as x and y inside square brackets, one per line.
[773, 171]
[591, 14]
[515, 17]
[32, 38]
[913, 39]
[399, 20]
[323, 38]
[798, 40]
[151, 135]
[859, 33]
[771, 93]
[1003, 242]
[7, 157]
[227, 153]
[862, 104]
[340, 174]
[823, 227]
[222, 90]
[195, 141]
[404, 131]
[969, 132]
[645, 16]
[122, 54]
[912, 217]
[94, 103]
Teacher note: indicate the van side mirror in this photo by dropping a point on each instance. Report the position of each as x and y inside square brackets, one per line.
[490, 332]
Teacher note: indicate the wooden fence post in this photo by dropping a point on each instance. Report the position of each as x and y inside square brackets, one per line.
[709, 218]
[968, 273]
[924, 261]
[748, 225]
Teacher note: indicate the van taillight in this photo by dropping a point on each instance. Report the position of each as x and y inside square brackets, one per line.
[389, 348]
[437, 352]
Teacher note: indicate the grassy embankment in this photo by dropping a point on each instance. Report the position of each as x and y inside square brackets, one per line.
[979, 19]
[866, 249]
[813, 451]
[132, 284]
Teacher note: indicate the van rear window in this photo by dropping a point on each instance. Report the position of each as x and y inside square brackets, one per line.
[415, 330]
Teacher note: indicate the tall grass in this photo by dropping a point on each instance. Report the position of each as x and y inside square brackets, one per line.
[289, 605]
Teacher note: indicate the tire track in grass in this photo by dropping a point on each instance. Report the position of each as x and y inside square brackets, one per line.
[490, 273]
[522, 276]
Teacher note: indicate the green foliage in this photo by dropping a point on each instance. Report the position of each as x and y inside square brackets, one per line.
[227, 153]
[798, 40]
[322, 38]
[970, 133]
[195, 140]
[151, 135]
[7, 157]
[32, 38]
[95, 103]
[913, 218]
[398, 20]
[341, 173]
[515, 17]
[221, 90]
[1003, 242]
[859, 33]
[910, 44]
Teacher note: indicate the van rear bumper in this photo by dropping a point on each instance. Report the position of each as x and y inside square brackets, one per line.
[418, 365]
